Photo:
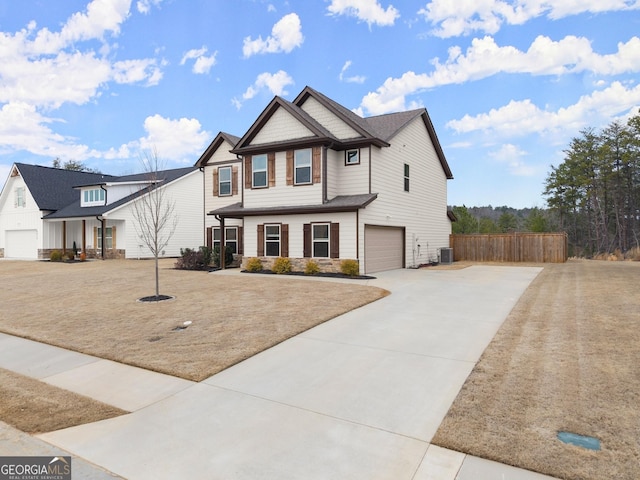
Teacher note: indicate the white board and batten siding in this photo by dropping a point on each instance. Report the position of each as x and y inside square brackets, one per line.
[187, 193]
[22, 225]
[347, 221]
[422, 210]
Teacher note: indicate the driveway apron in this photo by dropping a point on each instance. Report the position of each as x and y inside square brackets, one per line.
[357, 397]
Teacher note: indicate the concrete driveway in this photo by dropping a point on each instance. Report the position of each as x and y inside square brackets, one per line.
[359, 397]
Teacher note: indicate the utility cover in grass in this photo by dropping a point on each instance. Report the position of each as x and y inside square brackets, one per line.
[579, 440]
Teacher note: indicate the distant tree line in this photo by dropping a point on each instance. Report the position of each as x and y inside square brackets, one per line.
[595, 192]
[502, 220]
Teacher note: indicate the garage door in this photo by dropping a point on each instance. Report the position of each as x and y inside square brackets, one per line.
[21, 244]
[383, 248]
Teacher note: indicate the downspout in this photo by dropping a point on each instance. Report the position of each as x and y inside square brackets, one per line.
[204, 208]
[222, 245]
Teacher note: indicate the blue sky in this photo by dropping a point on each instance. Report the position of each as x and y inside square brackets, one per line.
[507, 83]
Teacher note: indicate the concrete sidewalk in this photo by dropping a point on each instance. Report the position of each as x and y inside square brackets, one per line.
[357, 397]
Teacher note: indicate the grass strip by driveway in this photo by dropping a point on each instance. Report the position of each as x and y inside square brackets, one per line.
[566, 359]
[36, 407]
[91, 307]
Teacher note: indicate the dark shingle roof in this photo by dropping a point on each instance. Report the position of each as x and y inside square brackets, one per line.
[52, 188]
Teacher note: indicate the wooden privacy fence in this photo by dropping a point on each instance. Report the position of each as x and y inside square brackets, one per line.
[510, 247]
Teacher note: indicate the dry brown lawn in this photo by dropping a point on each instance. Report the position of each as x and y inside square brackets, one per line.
[566, 359]
[36, 407]
[91, 307]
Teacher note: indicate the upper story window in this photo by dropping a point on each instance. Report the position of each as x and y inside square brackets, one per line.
[20, 200]
[224, 181]
[352, 157]
[259, 171]
[92, 197]
[302, 167]
[406, 177]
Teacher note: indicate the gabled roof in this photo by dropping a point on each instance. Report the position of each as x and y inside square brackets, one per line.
[215, 145]
[52, 188]
[320, 135]
[341, 203]
[74, 210]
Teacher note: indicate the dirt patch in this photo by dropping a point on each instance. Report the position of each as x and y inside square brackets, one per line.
[36, 407]
[566, 359]
[91, 307]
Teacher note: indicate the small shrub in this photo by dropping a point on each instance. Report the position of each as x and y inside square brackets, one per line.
[311, 268]
[56, 256]
[254, 265]
[228, 256]
[281, 265]
[192, 259]
[207, 255]
[69, 256]
[634, 254]
[350, 267]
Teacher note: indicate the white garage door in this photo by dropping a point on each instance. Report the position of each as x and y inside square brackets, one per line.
[21, 244]
[383, 248]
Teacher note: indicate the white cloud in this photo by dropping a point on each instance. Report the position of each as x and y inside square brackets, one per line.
[485, 58]
[203, 63]
[369, 11]
[352, 79]
[512, 156]
[465, 17]
[274, 83]
[286, 35]
[181, 140]
[144, 6]
[519, 118]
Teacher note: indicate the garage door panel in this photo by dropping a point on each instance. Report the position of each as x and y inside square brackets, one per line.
[384, 248]
[21, 244]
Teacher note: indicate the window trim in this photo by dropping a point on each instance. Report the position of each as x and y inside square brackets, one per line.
[221, 182]
[93, 196]
[20, 197]
[326, 240]
[406, 177]
[307, 166]
[254, 171]
[107, 239]
[346, 156]
[267, 241]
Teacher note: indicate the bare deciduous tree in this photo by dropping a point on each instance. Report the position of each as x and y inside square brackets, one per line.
[154, 212]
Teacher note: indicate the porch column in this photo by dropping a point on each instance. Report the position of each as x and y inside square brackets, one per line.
[64, 237]
[222, 246]
[84, 236]
[104, 234]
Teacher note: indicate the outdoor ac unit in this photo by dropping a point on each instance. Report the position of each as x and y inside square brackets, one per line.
[446, 256]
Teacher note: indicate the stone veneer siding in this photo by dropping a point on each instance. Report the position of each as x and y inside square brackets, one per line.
[327, 265]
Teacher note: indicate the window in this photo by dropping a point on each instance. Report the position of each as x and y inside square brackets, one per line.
[224, 181]
[230, 238]
[259, 170]
[20, 200]
[272, 240]
[406, 177]
[302, 167]
[352, 157]
[94, 196]
[320, 239]
[108, 239]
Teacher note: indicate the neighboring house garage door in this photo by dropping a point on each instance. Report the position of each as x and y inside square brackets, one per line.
[21, 244]
[383, 248]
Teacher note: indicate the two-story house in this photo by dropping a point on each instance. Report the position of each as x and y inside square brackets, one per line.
[44, 209]
[311, 179]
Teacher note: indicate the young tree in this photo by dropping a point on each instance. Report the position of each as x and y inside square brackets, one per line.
[154, 212]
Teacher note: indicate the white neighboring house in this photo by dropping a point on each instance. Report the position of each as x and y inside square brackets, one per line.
[44, 209]
[312, 180]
